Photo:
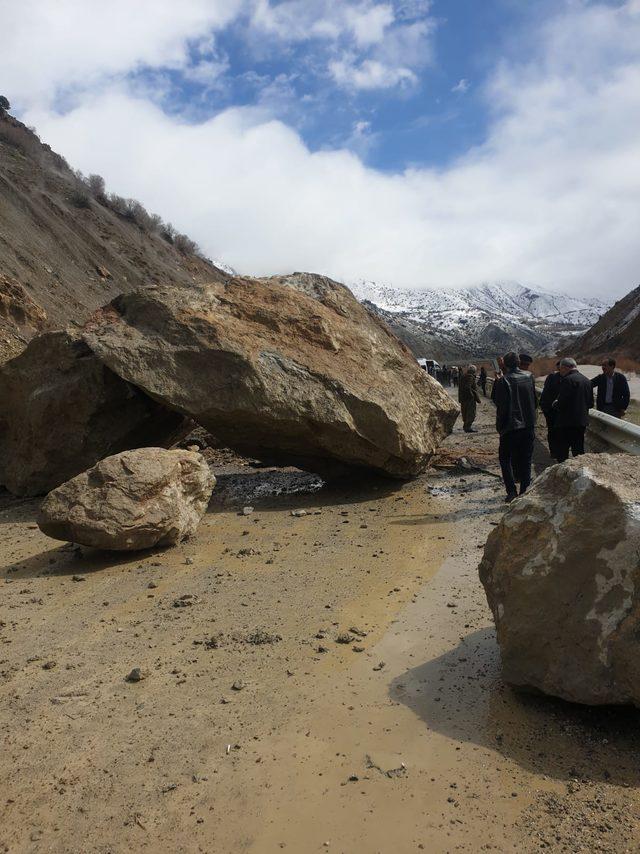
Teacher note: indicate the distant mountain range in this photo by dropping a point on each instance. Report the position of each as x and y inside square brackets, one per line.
[481, 321]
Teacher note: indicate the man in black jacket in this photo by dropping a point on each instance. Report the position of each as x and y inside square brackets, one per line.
[571, 407]
[549, 394]
[515, 399]
[613, 390]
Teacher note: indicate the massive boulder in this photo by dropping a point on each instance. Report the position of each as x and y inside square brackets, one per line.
[133, 500]
[290, 369]
[562, 577]
[61, 410]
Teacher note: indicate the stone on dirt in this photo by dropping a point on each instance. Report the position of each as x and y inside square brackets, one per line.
[133, 500]
[562, 578]
[290, 370]
[62, 410]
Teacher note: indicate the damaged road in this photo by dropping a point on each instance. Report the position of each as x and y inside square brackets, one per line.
[253, 724]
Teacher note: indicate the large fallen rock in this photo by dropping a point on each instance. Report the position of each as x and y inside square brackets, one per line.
[562, 577]
[288, 369]
[133, 500]
[61, 410]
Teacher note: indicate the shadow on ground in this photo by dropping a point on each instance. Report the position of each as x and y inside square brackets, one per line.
[66, 559]
[289, 489]
[460, 694]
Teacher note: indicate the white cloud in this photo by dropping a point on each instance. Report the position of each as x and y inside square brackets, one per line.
[47, 46]
[299, 20]
[461, 86]
[369, 24]
[369, 74]
[552, 197]
[371, 49]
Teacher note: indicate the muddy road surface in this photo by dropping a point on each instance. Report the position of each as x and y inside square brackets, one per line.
[320, 674]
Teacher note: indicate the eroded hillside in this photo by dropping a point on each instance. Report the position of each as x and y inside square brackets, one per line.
[65, 251]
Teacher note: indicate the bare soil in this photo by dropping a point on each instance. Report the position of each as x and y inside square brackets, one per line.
[327, 681]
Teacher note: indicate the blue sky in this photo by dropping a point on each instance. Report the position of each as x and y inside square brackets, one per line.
[428, 121]
[421, 143]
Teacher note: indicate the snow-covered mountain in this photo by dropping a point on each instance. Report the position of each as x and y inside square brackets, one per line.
[486, 319]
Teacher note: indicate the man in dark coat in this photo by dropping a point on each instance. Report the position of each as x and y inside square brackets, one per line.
[515, 399]
[469, 398]
[613, 390]
[547, 398]
[575, 399]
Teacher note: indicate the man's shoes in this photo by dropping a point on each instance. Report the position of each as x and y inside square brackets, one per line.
[510, 497]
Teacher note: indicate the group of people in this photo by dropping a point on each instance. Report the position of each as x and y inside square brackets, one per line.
[447, 375]
[567, 397]
[565, 402]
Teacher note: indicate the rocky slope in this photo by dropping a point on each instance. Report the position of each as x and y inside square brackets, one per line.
[479, 321]
[616, 333]
[63, 252]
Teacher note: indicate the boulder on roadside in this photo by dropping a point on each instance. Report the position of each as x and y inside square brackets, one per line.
[289, 370]
[62, 410]
[562, 577]
[133, 500]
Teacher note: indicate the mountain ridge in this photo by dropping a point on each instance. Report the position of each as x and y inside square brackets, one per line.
[482, 320]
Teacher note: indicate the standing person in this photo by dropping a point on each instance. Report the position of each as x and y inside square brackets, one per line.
[469, 398]
[497, 375]
[515, 399]
[483, 380]
[454, 375]
[613, 390]
[547, 398]
[525, 361]
[575, 399]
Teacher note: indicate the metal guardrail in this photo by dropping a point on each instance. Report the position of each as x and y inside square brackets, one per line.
[617, 434]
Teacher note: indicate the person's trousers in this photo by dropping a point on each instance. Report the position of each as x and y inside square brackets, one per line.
[515, 453]
[569, 439]
[552, 440]
[468, 408]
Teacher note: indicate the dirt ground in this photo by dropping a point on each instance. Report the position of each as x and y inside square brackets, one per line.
[319, 682]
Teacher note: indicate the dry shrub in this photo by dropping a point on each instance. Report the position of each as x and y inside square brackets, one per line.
[84, 189]
[185, 245]
[20, 138]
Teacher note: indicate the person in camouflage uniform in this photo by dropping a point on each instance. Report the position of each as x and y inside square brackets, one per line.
[469, 398]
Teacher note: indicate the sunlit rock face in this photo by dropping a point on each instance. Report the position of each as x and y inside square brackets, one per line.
[562, 575]
[290, 369]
